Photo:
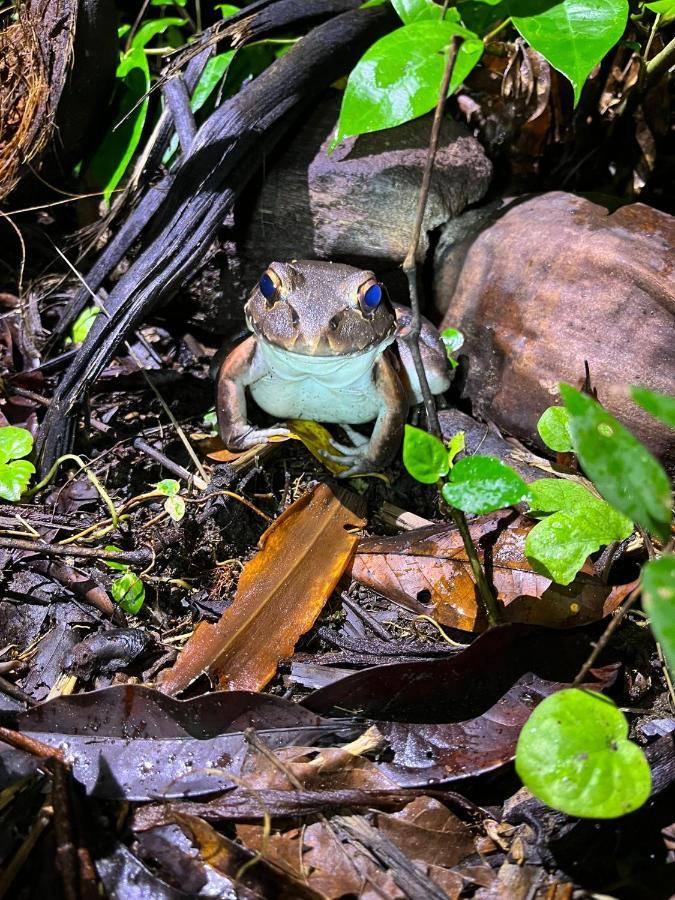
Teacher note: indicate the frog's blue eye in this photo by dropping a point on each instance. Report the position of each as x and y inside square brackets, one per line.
[268, 288]
[372, 297]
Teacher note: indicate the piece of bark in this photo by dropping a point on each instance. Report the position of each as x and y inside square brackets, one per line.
[550, 282]
[356, 205]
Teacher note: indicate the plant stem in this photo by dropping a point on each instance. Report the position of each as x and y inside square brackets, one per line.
[90, 475]
[661, 61]
[485, 594]
[488, 37]
[410, 262]
[606, 635]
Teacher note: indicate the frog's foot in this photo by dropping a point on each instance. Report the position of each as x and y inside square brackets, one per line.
[251, 437]
[357, 439]
[357, 459]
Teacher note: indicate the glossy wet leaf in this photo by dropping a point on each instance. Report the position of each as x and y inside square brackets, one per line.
[398, 78]
[452, 341]
[664, 8]
[424, 455]
[574, 754]
[658, 598]
[119, 145]
[661, 406]
[129, 592]
[122, 567]
[14, 478]
[572, 35]
[575, 524]
[14, 443]
[621, 468]
[150, 30]
[281, 591]
[481, 484]
[427, 571]
[415, 10]
[553, 428]
[83, 323]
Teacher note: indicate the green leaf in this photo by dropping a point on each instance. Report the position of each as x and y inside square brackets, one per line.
[625, 472]
[150, 30]
[122, 567]
[227, 9]
[129, 592]
[415, 10]
[175, 506]
[553, 428]
[168, 487]
[456, 444]
[14, 478]
[398, 78]
[574, 754]
[452, 341]
[482, 16]
[481, 484]
[580, 524]
[661, 406]
[14, 443]
[424, 455]
[572, 35]
[118, 146]
[83, 323]
[663, 8]
[658, 598]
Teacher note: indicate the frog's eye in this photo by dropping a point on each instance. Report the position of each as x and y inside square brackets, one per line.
[269, 285]
[370, 295]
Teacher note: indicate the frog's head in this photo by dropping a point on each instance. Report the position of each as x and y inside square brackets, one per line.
[319, 309]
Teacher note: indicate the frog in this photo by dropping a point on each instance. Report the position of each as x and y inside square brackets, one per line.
[327, 344]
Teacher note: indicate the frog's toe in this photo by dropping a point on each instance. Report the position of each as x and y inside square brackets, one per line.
[345, 449]
[334, 457]
[357, 439]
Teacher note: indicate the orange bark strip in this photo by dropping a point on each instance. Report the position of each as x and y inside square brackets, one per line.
[281, 592]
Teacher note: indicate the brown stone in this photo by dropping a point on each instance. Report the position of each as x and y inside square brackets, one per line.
[549, 282]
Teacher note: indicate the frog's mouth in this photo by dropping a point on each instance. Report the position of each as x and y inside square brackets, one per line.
[348, 343]
[336, 370]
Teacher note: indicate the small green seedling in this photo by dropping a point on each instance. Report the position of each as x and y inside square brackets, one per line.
[128, 590]
[574, 754]
[174, 505]
[453, 340]
[15, 472]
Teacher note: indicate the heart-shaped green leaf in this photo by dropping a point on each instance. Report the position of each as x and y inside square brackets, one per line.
[481, 484]
[14, 478]
[424, 455]
[574, 754]
[625, 472]
[553, 428]
[658, 598]
[572, 35]
[14, 443]
[398, 78]
[579, 524]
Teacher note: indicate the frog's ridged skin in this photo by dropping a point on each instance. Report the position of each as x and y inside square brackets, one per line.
[319, 351]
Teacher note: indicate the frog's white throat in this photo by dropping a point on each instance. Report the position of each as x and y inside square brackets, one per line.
[333, 371]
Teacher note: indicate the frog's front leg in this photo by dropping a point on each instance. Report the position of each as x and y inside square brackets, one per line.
[388, 430]
[240, 368]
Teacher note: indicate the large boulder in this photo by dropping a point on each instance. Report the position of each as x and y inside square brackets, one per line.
[546, 283]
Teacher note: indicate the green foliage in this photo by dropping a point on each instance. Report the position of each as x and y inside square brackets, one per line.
[83, 323]
[15, 472]
[174, 505]
[129, 592]
[621, 468]
[572, 35]
[481, 484]
[115, 152]
[574, 754]
[398, 78]
[658, 598]
[663, 8]
[576, 524]
[553, 428]
[452, 341]
[456, 444]
[424, 455]
[122, 567]
[413, 10]
[661, 406]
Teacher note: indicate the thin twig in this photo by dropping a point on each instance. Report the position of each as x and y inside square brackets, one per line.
[606, 635]
[410, 262]
[133, 558]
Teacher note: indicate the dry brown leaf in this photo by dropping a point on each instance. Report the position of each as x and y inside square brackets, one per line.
[280, 594]
[427, 570]
[427, 832]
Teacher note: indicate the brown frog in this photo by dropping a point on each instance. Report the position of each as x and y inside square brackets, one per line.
[322, 349]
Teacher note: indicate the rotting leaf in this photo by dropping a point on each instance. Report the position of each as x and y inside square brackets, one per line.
[427, 571]
[281, 592]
